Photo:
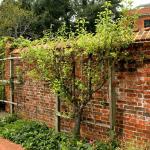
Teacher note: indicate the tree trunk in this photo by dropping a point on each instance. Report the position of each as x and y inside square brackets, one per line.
[77, 121]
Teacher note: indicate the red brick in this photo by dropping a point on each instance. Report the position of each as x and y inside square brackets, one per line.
[133, 106]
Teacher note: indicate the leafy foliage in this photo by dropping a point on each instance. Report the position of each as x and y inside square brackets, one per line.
[31, 18]
[37, 136]
[7, 120]
[89, 10]
[76, 64]
[15, 21]
[62, 51]
[2, 65]
[33, 135]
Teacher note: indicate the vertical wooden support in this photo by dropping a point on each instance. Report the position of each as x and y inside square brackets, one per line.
[3, 91]
[57, 122]
[11, 86]
[111, 96]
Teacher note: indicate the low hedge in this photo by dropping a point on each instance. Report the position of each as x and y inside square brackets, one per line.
[34, 135]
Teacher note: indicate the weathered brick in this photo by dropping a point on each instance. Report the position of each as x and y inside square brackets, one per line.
[132, 108]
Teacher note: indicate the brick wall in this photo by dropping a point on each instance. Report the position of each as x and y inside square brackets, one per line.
[140, 23]
[144, 14]
[132, 86]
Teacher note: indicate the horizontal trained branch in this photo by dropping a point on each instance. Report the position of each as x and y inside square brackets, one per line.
[10, 58]
[63, 115]
[96, 124]
[9, 102]
[4, 82]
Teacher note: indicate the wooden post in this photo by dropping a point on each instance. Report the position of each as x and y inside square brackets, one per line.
[57, 122]
[111, 96]
[11, 86]
[3, 91]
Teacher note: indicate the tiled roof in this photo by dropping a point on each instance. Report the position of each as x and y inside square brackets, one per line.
[145, 10]
[142, 36]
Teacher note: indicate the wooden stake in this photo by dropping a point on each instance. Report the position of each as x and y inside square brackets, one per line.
[57, 122]
[111, 97]
[11, 86]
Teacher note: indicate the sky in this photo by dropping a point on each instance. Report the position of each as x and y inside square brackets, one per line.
[139, 2]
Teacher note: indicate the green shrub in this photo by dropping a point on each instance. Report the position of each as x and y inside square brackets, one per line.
[10, 129]
[8, 119]
[134, 145]
[33, 135]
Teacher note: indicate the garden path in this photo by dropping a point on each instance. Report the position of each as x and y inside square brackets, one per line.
[7, 145]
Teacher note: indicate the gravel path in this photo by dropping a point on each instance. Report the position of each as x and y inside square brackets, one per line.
[7, 145]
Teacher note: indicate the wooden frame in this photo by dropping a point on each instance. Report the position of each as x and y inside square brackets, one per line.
[10, 82]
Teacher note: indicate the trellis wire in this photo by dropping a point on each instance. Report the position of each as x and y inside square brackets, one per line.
[10, 82]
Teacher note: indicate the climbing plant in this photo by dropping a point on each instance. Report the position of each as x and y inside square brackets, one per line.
[75, 64]
[2, 65]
